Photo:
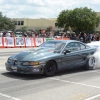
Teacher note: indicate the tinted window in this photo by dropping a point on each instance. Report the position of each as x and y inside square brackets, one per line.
[82, 46]
[73, 46]
[56, 45]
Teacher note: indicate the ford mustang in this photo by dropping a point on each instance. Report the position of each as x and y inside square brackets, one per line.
[52, 56]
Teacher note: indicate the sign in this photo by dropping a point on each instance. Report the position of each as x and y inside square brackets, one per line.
[48, 39]
[9, 41]
[38, 41]
[29, 42]
[1, 41]
[19, 41]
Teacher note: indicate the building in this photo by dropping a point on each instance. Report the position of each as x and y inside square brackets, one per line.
[98, 28]
[41, 23]
[35, 23]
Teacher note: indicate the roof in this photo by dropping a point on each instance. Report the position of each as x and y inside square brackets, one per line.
[64, 41]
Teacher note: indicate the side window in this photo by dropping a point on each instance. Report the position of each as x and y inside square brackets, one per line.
[73, 47]
[82, 46]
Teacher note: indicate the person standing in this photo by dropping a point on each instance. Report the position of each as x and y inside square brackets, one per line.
[25, 34]
[1, 34]
[97, 38]
[33, 34]
[64, 35]
[8, 34]
[43, 34]
[82, 37]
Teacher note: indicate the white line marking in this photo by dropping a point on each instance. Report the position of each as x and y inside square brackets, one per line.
[96, 72]
[10, 97]
[76, 83]
[91, 98]
[2, 68]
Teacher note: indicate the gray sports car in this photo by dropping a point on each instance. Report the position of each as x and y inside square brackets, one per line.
[52, 56]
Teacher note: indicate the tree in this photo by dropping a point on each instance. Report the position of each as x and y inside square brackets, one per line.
[79, 19]
[62, 20]
[24, 29]
[6, 23]
[48, 29]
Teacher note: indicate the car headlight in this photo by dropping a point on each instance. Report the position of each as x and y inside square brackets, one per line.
[27, 63]
[9, 60]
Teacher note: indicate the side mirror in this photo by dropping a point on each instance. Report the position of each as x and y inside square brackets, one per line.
[66, 51]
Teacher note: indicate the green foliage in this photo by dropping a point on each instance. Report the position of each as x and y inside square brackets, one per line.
[62, 20]
[24, 29]
[79, 19]
[48, 29]
[6, 23]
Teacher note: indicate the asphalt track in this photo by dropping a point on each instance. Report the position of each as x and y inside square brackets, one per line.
[74, 84]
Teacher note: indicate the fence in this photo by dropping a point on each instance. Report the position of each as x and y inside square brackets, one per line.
[22, 42]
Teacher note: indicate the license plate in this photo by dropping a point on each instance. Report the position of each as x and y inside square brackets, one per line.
[13, 67]
[35, 70]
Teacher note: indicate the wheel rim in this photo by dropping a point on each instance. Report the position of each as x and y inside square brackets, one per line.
[50, 68]
[91, 62]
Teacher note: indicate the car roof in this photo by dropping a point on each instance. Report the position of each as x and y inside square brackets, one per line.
[64, 41]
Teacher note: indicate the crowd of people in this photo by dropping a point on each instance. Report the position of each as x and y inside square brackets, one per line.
[7, 34]
[83, 37]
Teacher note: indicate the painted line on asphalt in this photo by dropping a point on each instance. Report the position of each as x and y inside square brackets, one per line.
[2, 62]
[76, 83]
[10, 97]
[2, 68]
[93, 97]
[96, 71]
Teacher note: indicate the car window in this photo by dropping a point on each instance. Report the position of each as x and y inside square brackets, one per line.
[72, 47]
[82, 46]
[58, 46]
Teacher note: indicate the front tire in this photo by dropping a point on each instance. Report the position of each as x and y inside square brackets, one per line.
[90, 63]
[50, 68]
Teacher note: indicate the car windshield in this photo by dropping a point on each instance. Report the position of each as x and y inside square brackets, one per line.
[56, 45]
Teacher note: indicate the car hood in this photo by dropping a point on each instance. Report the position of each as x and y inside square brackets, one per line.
[35, 54]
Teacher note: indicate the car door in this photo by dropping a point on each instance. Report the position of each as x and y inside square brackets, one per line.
[74, 58]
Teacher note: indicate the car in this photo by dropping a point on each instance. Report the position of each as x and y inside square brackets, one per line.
[52, 56]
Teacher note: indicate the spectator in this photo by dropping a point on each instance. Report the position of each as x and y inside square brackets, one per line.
[25, 34]
[12, 34]
[43, 34]
[64, 35]
[1, 34]
[97, 37]
[33, 34]
[8, 34]
[91, 37]
[51, 35]
[82, 37]
[73, 36]
[36, 35]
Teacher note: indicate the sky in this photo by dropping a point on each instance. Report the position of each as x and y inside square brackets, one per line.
[43, 8]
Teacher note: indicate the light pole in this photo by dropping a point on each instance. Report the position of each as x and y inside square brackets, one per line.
[27, 23]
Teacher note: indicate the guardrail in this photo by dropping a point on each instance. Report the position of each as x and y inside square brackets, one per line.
[23, 42]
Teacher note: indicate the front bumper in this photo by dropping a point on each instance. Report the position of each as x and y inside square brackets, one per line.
[24, 69]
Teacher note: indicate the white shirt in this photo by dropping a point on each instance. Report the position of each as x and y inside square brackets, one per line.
[1, 34]
[8, 34]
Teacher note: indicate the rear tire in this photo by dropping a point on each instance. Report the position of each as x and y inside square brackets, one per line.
[90, 63]
[50, 68]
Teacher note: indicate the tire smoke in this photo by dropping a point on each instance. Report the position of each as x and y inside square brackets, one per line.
[96, 55]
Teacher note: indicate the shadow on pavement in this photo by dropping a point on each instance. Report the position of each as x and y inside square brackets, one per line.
[41, 76]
